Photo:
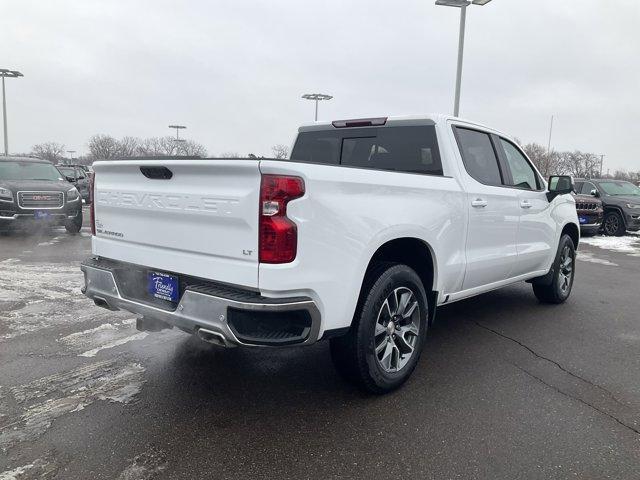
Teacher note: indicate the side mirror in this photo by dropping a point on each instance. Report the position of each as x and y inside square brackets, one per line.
[559, 185]
[595, 193]
[69, 179]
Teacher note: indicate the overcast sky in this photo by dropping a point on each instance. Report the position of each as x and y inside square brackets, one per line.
[233, 71]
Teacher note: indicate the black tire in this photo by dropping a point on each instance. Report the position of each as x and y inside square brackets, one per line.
[354, 355]
[558, 291]
[613, 224]
[75, 224]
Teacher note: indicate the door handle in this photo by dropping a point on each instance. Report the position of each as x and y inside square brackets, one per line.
[526, 204]
[478, 203]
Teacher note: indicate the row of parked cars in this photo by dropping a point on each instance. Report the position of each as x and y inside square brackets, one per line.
[610, 206]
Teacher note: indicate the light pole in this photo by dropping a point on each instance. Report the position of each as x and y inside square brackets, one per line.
[462, 5]
[317, 97]
[11, 74]
[178, 128]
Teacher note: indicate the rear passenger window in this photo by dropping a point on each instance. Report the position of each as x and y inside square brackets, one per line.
[478, 156]
[317, 147]
[411, 149]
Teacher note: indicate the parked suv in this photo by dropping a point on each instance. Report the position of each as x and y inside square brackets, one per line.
[78, 177]
[33, 191]
[357, 238]
[621, 202]
[590, 213]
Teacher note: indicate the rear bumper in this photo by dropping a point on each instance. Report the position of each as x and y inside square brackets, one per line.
[238, 317]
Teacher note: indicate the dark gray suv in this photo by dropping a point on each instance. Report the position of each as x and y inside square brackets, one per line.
[621, 202]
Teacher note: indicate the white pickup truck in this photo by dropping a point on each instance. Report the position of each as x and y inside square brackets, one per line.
[358, 237]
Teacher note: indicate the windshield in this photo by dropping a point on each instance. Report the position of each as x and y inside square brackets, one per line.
[619, 188]
[69, 172]
[28, 171]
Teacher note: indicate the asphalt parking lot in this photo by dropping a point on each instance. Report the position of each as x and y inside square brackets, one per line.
[507, 388]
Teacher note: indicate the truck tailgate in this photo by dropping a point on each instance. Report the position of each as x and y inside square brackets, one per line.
[202, 221]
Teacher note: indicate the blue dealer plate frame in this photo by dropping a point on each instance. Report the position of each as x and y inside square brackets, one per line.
[582, 220]
[41, 215]
[163, 286]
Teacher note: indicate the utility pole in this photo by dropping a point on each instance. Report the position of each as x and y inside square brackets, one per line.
[550, 132]
[317, 97]
[178, 128]
[71, 152]
[11, 74]
[462, 5]
[601, 162]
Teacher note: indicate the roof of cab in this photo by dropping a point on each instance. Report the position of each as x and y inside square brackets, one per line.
[404, 120]
[12, 158]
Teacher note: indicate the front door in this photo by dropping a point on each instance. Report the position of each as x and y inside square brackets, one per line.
[537, 230]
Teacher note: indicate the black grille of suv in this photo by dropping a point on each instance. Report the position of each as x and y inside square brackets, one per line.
[40, 199]
[586, 206]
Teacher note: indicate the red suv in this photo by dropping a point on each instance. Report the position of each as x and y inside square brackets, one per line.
[590, 213]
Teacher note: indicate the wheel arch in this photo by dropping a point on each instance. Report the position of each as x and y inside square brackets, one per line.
[573, 231]
[617, 209]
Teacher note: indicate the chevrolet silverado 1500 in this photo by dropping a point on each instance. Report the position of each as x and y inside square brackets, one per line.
[357, 238]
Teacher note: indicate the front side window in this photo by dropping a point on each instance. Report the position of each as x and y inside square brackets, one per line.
[522, 173]
[478, 156]
[587, 187]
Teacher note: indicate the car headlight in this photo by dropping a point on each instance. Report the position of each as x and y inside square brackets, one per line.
[6, 195]
[73, 195]
[633, 205]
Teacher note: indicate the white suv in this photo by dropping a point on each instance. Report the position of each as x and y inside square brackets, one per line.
[358, 237]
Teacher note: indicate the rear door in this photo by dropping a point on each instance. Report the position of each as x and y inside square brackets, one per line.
[196, 217]
[537, 230]
[493, 211]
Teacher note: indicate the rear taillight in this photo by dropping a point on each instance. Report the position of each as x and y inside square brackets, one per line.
[92, 208]
[278, 236]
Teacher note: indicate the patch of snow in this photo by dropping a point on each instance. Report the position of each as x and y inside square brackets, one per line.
[34, 296]
[628, 244]
[108, 335]
[588, 257]
[145, 466]
[69, 392]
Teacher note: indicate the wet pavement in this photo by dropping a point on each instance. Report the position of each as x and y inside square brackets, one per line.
[506, 388]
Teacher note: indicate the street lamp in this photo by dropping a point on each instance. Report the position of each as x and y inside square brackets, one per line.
[11, 74]
[317, 97]
[462, 5]
[178, 128]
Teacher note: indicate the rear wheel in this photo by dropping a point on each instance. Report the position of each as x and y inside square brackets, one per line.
[75, 224]
[613, 224]
[386, 339]
[563, 272]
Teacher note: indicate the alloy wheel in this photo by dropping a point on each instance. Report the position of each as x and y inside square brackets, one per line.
[565, 272]
[397, 329]
[611, 224]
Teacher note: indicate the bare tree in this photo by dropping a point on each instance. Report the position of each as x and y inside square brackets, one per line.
[128, 146]
[51, 151]
[547, 162]
[103, 147]
[280, 151]
[191, 149]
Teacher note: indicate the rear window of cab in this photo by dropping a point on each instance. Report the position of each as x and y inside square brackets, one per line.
[410, 149]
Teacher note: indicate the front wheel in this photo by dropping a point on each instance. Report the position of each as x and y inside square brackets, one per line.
[563, 273]
[75, 224]
[613, 224]
[386, 338]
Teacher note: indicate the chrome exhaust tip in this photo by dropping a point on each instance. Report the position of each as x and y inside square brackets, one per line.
[215, 338]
